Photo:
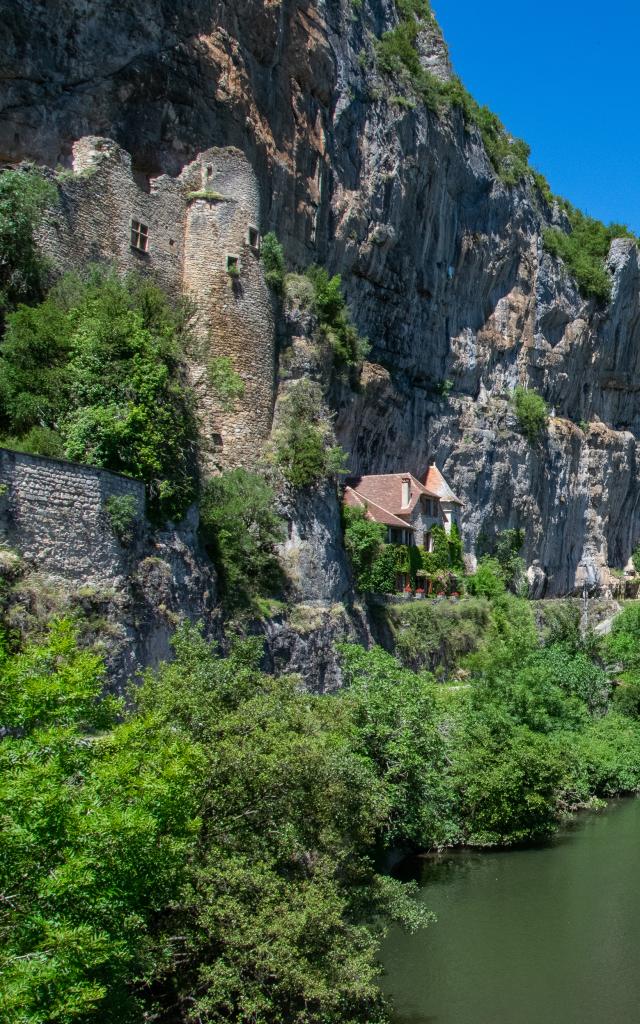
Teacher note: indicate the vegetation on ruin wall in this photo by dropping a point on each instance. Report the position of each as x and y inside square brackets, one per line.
[584, 246]
[93, 371]
[207, 851]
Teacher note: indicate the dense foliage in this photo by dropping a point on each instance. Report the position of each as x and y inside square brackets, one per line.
[93, 373]
[531, 412]
[303, 447]
[241, 528]
[23, 199]
[376, 565]
[203, 859]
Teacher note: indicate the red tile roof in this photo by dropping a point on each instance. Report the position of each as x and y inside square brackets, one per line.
[385, 490]
[374, 511]
[436, 484]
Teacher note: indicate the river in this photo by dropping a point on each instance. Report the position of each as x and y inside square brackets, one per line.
[547, 935]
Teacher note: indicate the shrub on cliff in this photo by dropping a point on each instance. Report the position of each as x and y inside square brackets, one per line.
[302, 445]
[584, 249]
[531, 412]
[24, 197]
[99, 364]
[274, 262]
[241, 528]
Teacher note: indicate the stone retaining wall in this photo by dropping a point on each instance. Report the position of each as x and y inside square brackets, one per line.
[54, 513]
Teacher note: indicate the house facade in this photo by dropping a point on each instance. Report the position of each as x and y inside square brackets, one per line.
[409, 508]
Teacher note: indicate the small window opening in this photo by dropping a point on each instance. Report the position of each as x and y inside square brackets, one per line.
[253, 237]
[209, 171]
[139, 236]
[233, 266]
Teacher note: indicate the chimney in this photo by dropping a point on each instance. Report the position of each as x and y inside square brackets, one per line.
[406, 491]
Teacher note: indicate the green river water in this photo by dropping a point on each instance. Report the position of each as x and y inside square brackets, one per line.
[549, 935]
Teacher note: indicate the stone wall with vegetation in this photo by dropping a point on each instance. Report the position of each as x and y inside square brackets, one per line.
[195, 222]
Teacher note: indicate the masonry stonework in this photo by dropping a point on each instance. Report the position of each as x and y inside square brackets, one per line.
[54, 512]
[195, 222]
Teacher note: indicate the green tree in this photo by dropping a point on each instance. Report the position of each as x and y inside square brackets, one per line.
[487, 581]
[24, 197]
[97, 820]
[531, 412]
[396, 723]
[242, 528]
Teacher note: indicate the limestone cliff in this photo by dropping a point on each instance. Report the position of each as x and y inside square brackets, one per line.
[442, 262]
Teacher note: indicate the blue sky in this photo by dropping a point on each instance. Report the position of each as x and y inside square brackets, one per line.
[565, 76]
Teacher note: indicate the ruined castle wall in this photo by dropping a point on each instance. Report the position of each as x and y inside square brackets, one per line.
[54, 513]
[235, 314]
[92, 220]
[189, 240]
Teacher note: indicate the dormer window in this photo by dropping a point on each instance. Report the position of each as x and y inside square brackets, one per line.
[253, 238]
[139, 236]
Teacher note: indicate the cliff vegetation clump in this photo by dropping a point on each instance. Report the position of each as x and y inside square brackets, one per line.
[583, 249]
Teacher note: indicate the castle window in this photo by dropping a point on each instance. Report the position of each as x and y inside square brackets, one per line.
[253, 237]
[233, 266]
[210, 171]
[139, 236]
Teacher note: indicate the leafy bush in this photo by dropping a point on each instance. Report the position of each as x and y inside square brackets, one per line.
[531, 412]
[227, 383]
[98, 364]
[333, 315]
[241, 528]
[584, 249]
[635, 558]
[122, 510]
[302, 447]
[364, 542]
[488, 580]
[24, 197]
[274, 262]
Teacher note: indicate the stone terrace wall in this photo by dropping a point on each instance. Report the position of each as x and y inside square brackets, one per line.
[188, 244]
[53, 512]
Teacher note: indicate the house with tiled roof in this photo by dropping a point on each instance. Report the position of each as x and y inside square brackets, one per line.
[408, 507]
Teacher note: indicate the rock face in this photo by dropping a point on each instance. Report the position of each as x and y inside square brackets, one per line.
[443, 264]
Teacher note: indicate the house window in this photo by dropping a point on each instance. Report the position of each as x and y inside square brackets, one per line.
[253, 237]
[139, 236]
[233, 266]
[428, 541]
